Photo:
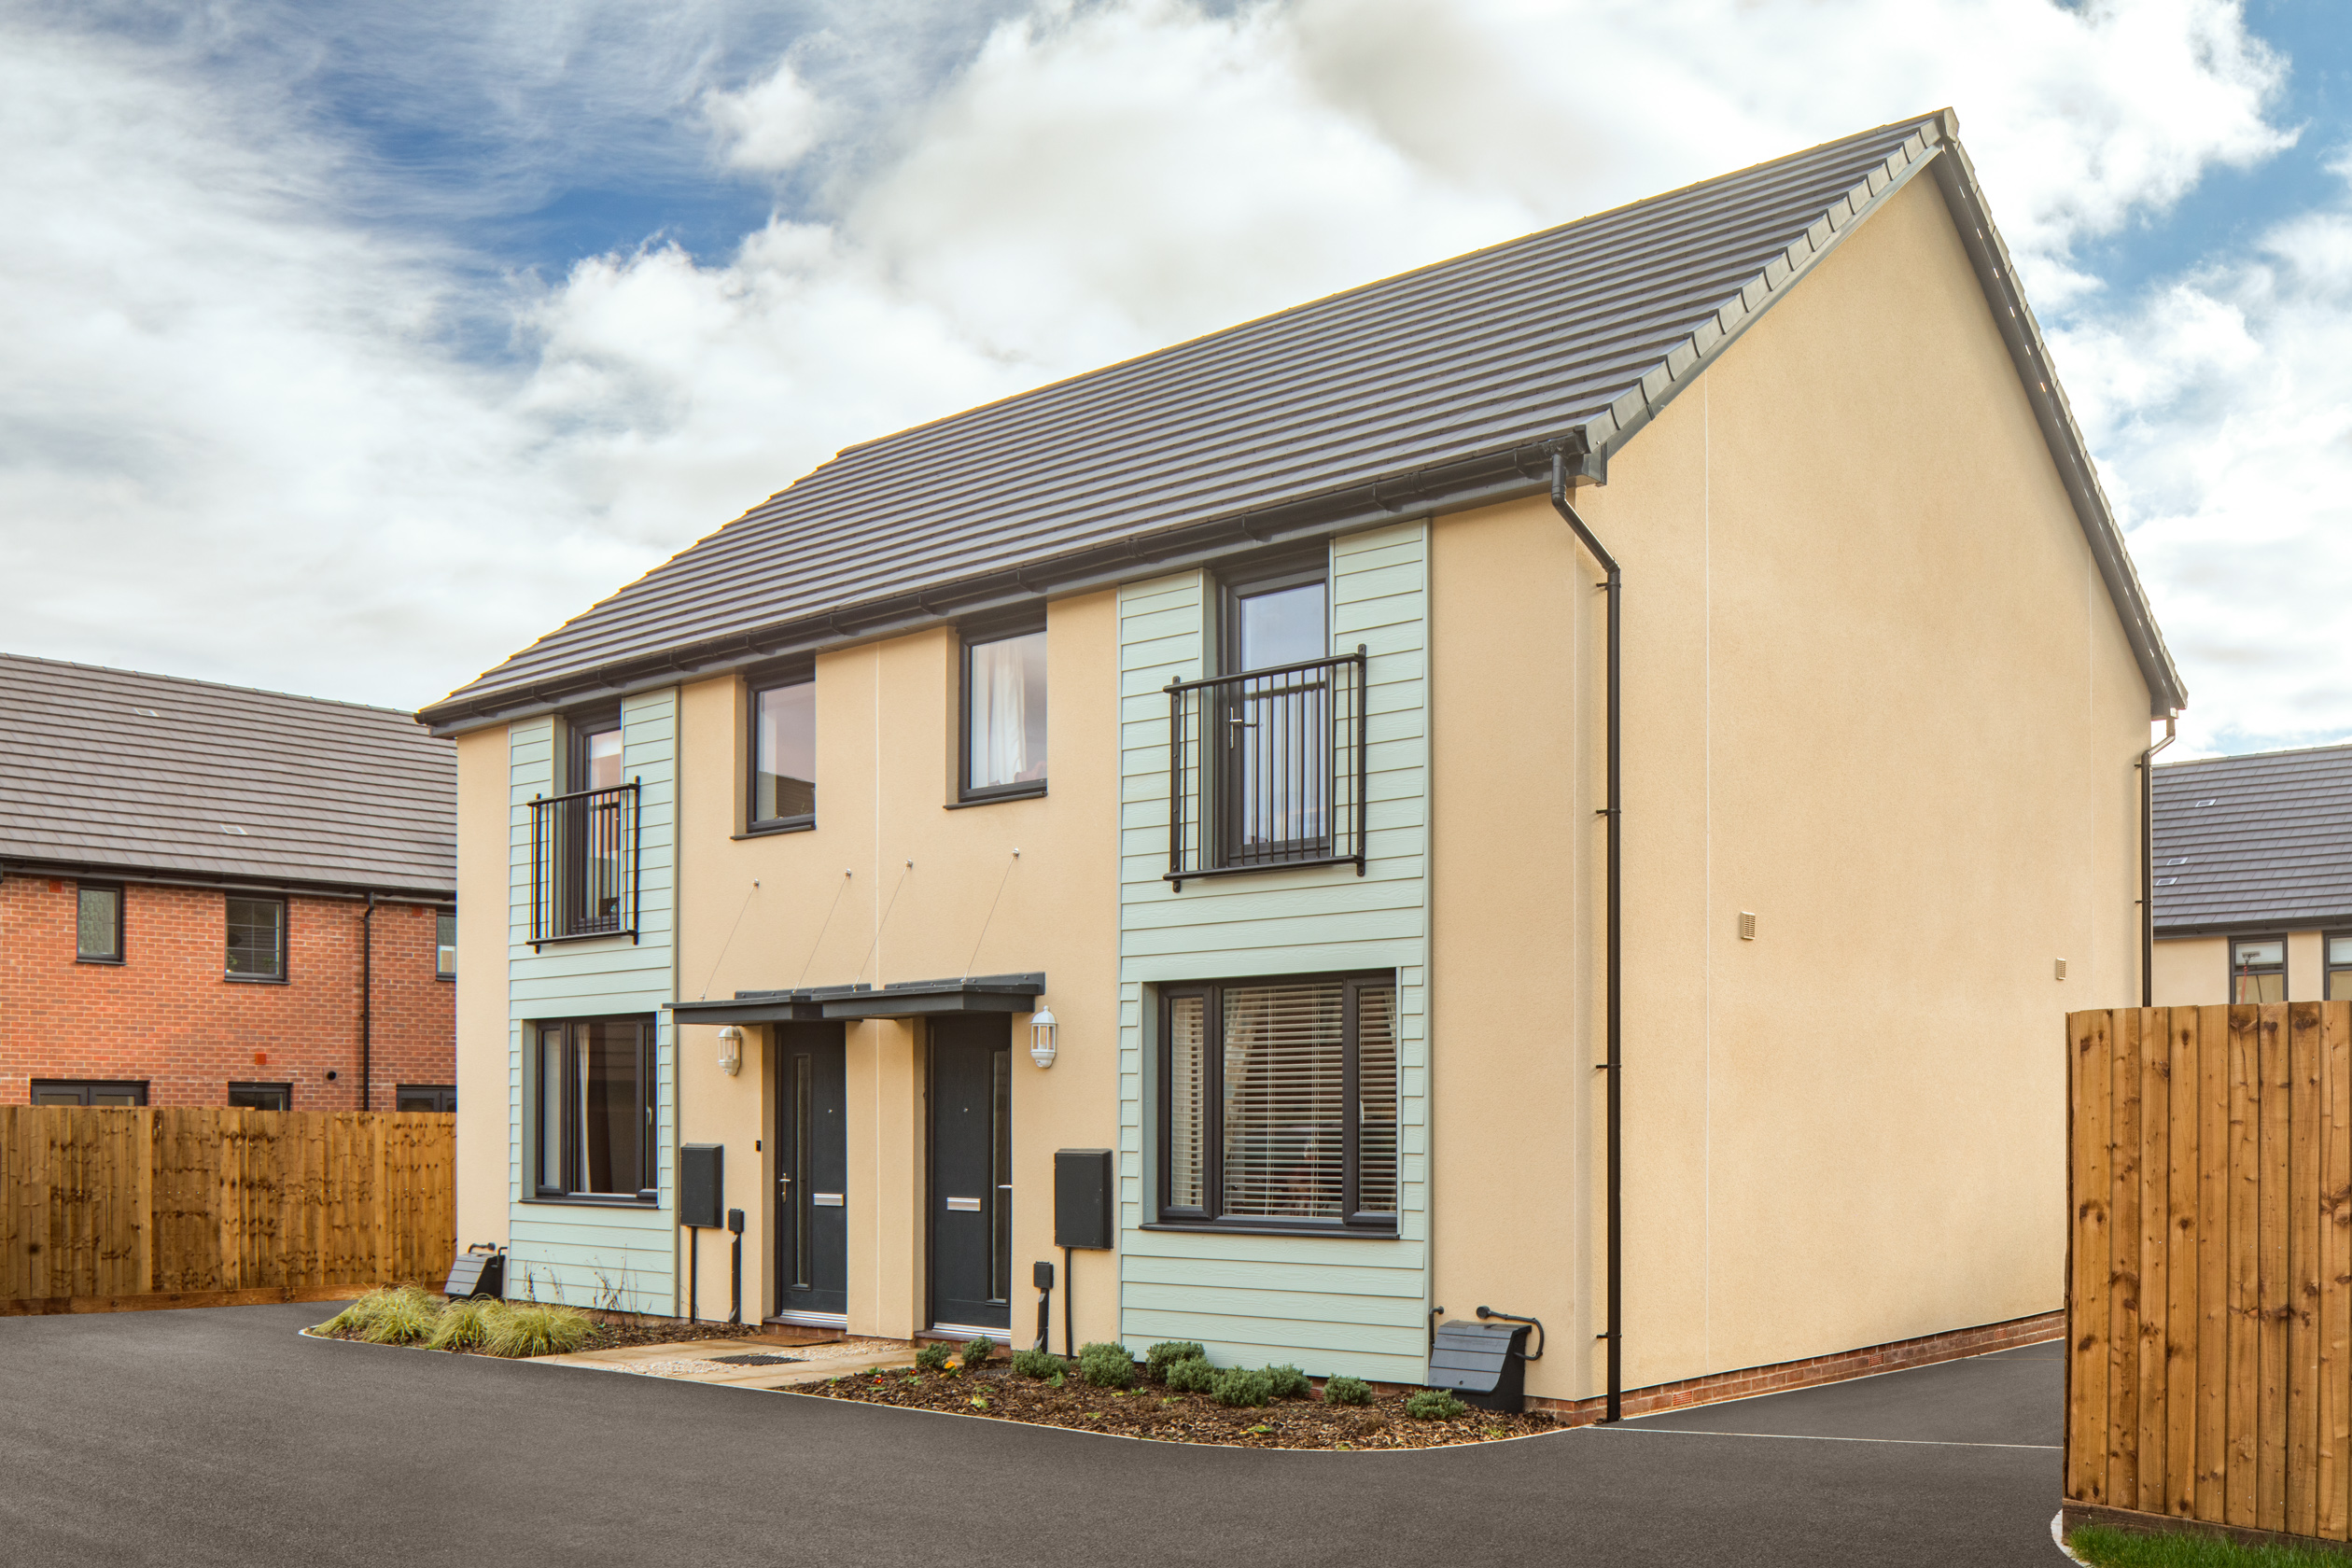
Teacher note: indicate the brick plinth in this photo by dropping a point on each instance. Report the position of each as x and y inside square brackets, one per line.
[167, 1014]
[1782, 1375]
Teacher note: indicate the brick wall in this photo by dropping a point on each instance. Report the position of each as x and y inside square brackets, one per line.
[167, 1013]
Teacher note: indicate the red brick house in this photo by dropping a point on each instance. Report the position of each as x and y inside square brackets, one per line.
[214, 896]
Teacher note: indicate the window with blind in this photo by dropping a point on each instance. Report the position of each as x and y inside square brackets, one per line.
[1278, 1104]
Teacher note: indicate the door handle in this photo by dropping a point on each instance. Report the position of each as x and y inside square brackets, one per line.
[784, 1188]
[964, 1205]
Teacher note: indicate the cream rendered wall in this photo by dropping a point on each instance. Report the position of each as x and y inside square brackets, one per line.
[887, 719]
[482, 1068]
[2306, 967]
[1873, 692]
[2194, 972]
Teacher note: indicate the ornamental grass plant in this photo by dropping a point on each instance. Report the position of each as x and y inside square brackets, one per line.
[404, 1316]
[535, 1328]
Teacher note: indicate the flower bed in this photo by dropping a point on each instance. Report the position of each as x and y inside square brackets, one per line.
[1153, 1409]
[420, 1318]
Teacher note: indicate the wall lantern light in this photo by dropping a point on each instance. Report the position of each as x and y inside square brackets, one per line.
[1041, 1037]
[730, 1050]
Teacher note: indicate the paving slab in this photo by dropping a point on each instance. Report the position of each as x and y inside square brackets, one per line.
[697, 1361]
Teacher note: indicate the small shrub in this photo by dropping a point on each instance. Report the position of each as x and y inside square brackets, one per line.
[1036, 1364]
[401, 1317]
[1347, 1391]
[933, 1357]
[1288, 1382]
[1107, 1365]
[1243, 1385]
[1166, 1353]
[1191, 1377]
[977, 1351]
[1433, 1405]
[465, 1325]
[536, 1328]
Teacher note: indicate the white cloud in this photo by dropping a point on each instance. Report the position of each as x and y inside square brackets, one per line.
[254, 401]
[2224, 404]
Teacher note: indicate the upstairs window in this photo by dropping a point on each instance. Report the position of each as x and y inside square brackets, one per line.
[2258, 969]
[257, 939]
[2339, 968]
[784, 753]
[1279, 1104]
[1004, 714]
[444, 945]
[585, 865]
[98, 924]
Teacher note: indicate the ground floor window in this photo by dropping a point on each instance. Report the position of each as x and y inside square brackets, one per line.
[427, 1097]
[68, 1091]
[1278, 1103]
[2258, 969]
[2339, 968]
[593, 1084]
[262, 1097]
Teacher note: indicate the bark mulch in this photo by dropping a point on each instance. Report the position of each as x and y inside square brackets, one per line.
[1150, 1410]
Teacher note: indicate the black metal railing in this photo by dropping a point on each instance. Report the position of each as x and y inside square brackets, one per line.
[586, 864]
[1267, 769]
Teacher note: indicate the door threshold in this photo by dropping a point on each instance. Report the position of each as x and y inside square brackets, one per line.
[965, 1331]
[807, 1319]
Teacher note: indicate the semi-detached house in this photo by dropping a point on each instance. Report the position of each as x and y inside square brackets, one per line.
[1580, 780]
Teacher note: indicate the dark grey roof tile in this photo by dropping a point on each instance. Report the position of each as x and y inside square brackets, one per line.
[2256, 841]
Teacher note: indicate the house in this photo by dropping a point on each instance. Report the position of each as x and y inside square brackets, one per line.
[214, 896]
[1581, 779]
[2252, 877]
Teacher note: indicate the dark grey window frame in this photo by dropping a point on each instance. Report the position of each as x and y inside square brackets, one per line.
[967, 637]
[2228, 951]
[438, 973]
[1166, 1216]
[801, 672]
[579, 725]
[284, 1091]
[439, 1091]
[122, 953]
[2329, 968]
[649, 1062]
[285, 939]
[138, 1086]
[1268, 574]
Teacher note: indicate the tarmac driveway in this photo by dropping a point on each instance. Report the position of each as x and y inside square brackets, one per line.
[218, 1436]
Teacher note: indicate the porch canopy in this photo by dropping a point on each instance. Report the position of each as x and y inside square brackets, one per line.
[904, 999]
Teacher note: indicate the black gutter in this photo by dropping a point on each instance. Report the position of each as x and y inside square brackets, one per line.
[366, 1001]
[1614, 584]
[2148, 866]
[1505, 474]
[293, 886]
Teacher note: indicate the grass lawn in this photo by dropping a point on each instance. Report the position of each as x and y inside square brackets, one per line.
[2124, 1548]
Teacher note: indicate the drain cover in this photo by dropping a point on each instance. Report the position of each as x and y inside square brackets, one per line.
[759, 1358]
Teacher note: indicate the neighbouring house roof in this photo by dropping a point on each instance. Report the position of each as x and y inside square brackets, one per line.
[2259, 841]
[1447, 387]
[114, 770]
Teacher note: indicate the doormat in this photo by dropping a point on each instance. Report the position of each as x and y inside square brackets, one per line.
[758, 1358]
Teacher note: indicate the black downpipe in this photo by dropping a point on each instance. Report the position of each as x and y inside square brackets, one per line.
[367, 1000]
[1614, 584]
[2147, 865]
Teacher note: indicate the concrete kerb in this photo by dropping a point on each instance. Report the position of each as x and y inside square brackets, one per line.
[791, 1387]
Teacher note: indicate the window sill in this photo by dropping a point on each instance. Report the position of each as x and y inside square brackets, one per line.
[439, 975]
[1026, 791]
[101, 963]
[775, 829]
[255, 979]
[591, 1201]
[1343, 1232]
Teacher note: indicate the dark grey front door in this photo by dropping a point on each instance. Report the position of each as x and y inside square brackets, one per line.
[972, 1170]
[812, 1162]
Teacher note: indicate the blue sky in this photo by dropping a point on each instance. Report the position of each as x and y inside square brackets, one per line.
[411, 331]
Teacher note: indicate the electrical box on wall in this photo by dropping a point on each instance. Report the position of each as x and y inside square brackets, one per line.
[702, 1186]
[1082, 1197]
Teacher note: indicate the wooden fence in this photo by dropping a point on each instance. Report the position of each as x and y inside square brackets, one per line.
[107, 1205]
[2209, 1296]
